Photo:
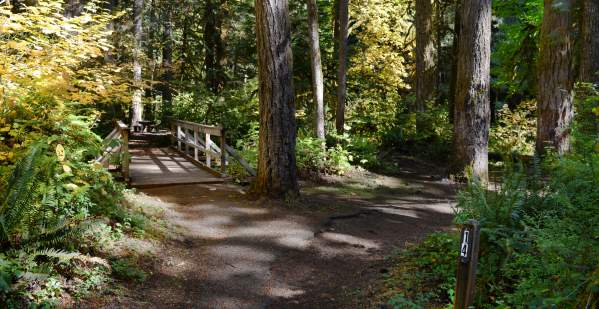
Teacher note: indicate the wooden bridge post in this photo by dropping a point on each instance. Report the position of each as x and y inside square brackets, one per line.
[207, 149]
[196, 144]
[124, 130]
[223, 151]
[178, 137]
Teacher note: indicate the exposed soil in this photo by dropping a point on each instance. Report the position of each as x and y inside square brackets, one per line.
[324, 250]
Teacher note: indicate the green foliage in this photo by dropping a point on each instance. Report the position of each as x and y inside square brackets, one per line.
[539, 241]
[432, 141]
[235, 108]
[424, 273]
[515, 131]
[128, 270]
[515, 53]
[313, 155]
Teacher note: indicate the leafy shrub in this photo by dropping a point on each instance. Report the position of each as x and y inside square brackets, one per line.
[128, 270]
[313, 155]
[515, 131]
[539, 241]
[424, 273]
[434, 140]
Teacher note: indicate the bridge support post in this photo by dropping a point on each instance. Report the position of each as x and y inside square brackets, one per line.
[207, 149]
[196, 142]
[178, 137]
[223, 152]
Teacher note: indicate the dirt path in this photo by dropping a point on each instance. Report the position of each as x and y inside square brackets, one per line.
[326, 251]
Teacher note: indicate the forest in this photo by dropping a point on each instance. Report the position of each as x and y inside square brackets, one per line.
[299, 154]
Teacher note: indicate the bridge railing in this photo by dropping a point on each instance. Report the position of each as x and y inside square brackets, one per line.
[190, 135]
[117, 143]
[199, 138]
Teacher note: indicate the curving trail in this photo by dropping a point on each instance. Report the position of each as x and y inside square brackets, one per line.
[326, 251]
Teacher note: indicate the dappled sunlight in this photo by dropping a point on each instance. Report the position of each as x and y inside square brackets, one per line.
[350, 240]
[284, 232]
[235, 261]
[284, 292]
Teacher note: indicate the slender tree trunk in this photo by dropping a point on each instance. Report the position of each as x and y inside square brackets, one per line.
[454, 62]
[276, 161]
[556, 77]
[185, 43]
[137, 107]
[589, 41]
[213, 42]
[471, 122]
[317, 78]
[167, 59]
[425, 58]
[343, 20]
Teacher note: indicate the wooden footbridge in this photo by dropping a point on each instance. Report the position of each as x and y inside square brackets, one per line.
[193, 153]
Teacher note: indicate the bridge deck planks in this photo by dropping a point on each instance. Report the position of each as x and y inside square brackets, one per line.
[151, 167]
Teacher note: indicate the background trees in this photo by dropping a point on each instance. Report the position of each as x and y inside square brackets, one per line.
[556, 77]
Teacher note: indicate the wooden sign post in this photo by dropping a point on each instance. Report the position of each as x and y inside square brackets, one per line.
[467, 262]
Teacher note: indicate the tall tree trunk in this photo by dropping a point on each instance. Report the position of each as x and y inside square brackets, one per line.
[276, 161]
[556, 80]
[136, 103]
[213, 41]
[185, 53]
[317, 78]
[343, 20]
[454, 62]
[589, 41]
[471, 122]
[167, 59]
[425, 58]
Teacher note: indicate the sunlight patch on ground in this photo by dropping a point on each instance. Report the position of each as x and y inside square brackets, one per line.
[284, 232]
[350, 240]
[211, 228]
[240, 260]
[284, 292]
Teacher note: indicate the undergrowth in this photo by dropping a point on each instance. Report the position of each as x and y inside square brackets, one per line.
[539, 244]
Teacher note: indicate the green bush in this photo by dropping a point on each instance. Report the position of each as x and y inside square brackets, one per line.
[539, 236]
[424, 273]
[515, 131]
[128, 270]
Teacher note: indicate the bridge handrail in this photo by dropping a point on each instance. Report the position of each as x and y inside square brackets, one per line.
[120, 132]
[180, 130]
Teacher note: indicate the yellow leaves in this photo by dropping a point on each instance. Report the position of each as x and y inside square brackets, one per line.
[6, 155]
[384, 28]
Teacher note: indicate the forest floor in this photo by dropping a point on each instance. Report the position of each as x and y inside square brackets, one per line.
[326, 249]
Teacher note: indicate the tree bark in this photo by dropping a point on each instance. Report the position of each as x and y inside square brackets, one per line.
[471, 122]
[589, 41]
[167, 59]
[317, 78]
[136, 101]
[556, 77]
[425, 58]
[454, 62]
[276, 161]
[343, 24]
